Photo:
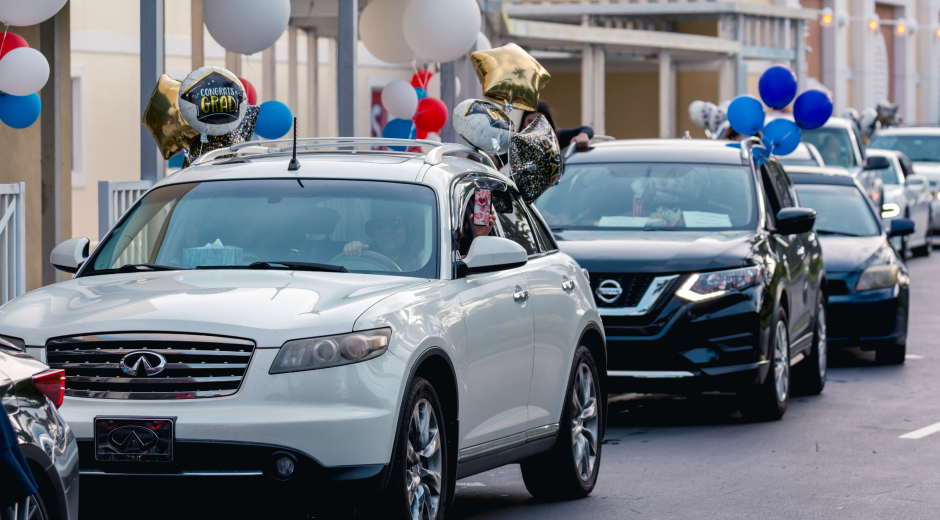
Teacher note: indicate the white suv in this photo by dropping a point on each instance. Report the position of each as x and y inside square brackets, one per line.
[327, 325]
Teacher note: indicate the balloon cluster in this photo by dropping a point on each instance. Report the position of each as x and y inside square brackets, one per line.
[708, 116]
[777, 89]
[414, 113]
[23, 71]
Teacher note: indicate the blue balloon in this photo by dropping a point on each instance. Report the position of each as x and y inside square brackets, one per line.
[812, 109]
[176, 161]
[399, 129]
[19, 111]
[777, 86]
[421, 93]
[746, 115]
[781, 136]
[274, 120]
[760, 155]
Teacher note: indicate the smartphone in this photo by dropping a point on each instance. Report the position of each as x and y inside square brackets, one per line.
[482, 206]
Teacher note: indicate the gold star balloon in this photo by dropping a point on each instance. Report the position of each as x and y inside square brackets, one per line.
[511, 76]
[162, 118]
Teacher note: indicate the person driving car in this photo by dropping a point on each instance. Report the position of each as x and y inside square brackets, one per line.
[396, 230]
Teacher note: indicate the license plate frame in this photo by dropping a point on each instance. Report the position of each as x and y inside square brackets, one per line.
[134, 439]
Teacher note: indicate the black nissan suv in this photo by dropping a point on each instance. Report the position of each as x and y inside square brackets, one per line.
[705, 268]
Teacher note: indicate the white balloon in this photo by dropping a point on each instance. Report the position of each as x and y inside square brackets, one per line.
[441, 30]
[246, 26]
[380, 29]
[483, 43]
[28, 12]
[400, 99]
[697, 113]
[23, 71]
[434, 86]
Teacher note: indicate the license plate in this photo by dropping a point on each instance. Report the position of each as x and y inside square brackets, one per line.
[134, 439]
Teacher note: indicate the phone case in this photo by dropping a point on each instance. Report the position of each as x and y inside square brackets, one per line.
[482, 206]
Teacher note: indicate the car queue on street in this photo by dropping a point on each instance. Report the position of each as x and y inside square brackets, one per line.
[382, 373]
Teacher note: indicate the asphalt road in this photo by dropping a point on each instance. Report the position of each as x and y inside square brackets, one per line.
[836, 455]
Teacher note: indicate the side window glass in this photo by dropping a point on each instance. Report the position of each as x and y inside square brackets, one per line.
[861, 146]
[782, 185]
[770, 193]
[517, 227]
[544, 235]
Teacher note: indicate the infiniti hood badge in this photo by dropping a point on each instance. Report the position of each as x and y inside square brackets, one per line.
[143, 363]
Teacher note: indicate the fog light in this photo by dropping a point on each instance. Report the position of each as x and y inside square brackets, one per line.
[284, 467]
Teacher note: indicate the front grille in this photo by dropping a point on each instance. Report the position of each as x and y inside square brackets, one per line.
[196, 365]
[634, 286]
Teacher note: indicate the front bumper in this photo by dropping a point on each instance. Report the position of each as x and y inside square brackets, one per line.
[868, 319]
[335, 417]
[686, 347]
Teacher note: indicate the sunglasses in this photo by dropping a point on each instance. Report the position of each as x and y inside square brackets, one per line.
[393, 223]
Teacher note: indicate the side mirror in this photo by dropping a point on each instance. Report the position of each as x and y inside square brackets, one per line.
[492, 254]
[877, 163]
[900, 227]
[793, 221]
[70, 255]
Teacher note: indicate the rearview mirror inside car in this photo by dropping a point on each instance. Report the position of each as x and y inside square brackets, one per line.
[491, 254]
[877, 163]
[900, 227]
[70, 255]
[793, 221]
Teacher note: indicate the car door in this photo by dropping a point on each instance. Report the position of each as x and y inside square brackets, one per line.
[918, 191]
[497, 315]
[551, 277]
[794, 257]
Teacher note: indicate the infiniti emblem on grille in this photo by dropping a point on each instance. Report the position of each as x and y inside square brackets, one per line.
[143, 363]
[132, 439]
[608, 291]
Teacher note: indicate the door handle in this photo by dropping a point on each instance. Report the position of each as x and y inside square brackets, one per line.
[801, 251]
[567, 285]
[520, 296]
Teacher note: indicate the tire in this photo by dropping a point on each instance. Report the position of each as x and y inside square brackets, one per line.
[891, 354]
[810, 373]
[568, 470]
[35, 510]
[418, 485]
[769, 400]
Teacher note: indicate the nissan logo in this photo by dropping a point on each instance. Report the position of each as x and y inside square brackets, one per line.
[132, 439]
[143, 363]
[608, 291]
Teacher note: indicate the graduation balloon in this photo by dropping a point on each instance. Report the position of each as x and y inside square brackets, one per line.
[535, 159]
[241, 134]
[483, 125]
[212, 101]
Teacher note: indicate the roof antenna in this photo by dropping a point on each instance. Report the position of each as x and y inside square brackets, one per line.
[294, 164]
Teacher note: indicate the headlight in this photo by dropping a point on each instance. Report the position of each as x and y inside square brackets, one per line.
[709, 285]
[330, 351]
[878, 277]
[890, 210]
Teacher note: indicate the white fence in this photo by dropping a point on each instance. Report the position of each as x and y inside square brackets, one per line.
[12, 240]
[114, 198]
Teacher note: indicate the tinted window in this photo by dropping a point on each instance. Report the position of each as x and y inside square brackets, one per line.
[651, 196]
[840, 210]
[918, 148]
[545, 237]
[834, 144]
[782, 185]
[517, 226]
[889, 175]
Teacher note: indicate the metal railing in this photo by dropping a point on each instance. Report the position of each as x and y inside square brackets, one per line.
[114, 198]
[12, 240]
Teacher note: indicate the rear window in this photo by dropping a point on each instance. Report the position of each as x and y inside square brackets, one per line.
[834, 145]
[918, 148]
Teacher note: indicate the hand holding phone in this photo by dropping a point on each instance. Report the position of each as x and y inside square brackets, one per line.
[482, 206]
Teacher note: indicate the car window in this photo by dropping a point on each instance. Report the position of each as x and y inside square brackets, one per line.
[889, 175]
[906, 166]
[782, 185]
[546, 240]
[516, 226]
[918, 148]
[834, 145]
[840, 210]
[238, 222]
[770, 192]
[651, 196]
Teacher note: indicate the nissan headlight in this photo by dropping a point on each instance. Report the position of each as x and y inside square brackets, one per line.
[878, 277]
[330, 351]
[710, 285]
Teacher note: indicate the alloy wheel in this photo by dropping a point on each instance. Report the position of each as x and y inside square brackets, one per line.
[781, 362]
[821, 345]
[423, 462]
[584, 422]
[34, 510]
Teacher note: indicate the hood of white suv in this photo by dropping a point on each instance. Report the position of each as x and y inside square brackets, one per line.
[269, 307]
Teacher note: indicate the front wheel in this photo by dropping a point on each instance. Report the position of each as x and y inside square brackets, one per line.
[927, 248]
[569, 469]
[768, 401]
[812, 370]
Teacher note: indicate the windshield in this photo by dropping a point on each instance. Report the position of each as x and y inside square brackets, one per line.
[387, 228]
[799, 157]
[651, 196]
[834, 145]
[840, 210]
[919, 148]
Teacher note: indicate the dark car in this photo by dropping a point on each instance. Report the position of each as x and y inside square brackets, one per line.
[868, 283]
[31, 393]
[703, 265]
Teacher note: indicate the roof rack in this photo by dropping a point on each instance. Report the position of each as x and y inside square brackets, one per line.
[435, 156]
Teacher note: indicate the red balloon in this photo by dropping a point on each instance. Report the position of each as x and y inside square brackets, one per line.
[13, 41]
[421, 79]
[421, 134]
[249, 91]
[431, 115]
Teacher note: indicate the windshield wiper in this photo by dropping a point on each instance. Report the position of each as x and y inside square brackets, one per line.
[133, 268]
[842, 233]
[289, 266]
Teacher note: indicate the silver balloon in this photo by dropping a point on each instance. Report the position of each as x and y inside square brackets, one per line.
[483, 124]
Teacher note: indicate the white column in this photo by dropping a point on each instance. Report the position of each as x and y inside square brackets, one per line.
[292, 87]
[151, 67]
[905, 73]
[587, 85]
[313, 92]
[346, 69]
[861, 48]
[835, 49]
[600, 76]
[196, 35]
[666, 96]
[269, 74]
[929, 99]
[233, 62]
